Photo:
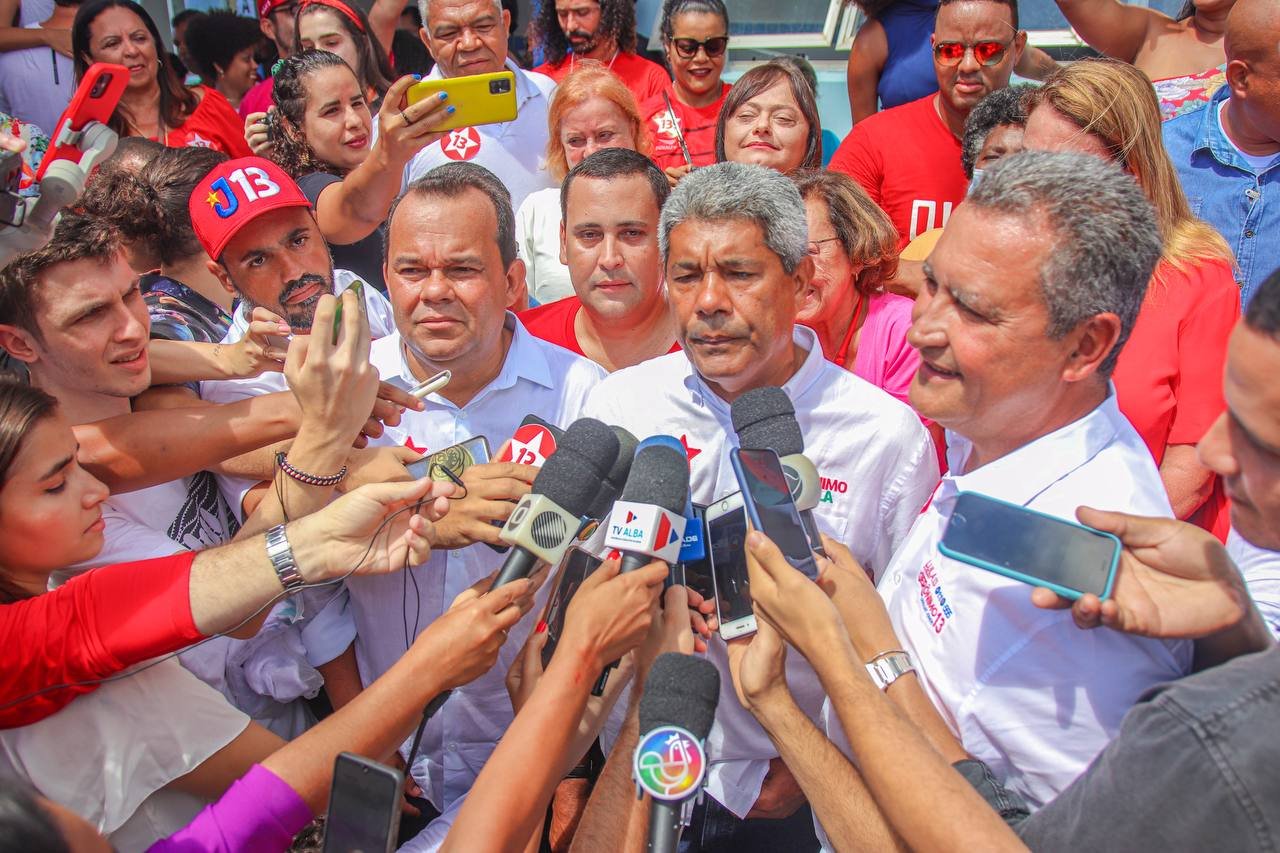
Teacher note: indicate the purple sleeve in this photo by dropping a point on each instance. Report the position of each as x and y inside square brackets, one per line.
[260, 812]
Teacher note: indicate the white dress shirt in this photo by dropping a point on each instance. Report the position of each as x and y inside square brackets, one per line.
[536, 378]
[1261, 571]
[1024, 689]
[512, 150]
[878, 467]
[538, 241]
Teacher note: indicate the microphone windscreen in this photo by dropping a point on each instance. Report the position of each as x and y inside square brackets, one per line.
[681, 690]
[571, 477]
[764, 419]
[659, 476]
[611, 485]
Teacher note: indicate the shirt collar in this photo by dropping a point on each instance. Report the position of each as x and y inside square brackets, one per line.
[1211, 137]
[1019, 477]
[810, 369]
[525, 360]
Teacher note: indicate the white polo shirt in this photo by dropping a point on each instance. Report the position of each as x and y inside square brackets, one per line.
[878, 467]
[512, 150]
[1024, 689]
[536, 378]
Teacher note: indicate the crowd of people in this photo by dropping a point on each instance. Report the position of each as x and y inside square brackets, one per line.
[221, 565]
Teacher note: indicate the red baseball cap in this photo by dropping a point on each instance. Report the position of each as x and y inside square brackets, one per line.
[266, 7]
[234, 194]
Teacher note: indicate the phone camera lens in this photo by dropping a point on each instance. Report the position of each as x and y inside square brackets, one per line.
[499, 87]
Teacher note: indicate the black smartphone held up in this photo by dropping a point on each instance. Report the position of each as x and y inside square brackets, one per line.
[364, 806]
[578, 566]
[697, 570]
[1029, 546]
[768, 502]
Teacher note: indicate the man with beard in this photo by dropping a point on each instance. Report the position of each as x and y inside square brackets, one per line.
[569, 31]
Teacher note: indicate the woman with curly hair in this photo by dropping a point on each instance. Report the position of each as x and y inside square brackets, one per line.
[569, 31]
[221, 46]
[322, 130]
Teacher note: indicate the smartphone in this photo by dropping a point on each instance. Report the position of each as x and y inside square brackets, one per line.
[726, 549]
[13, 208]
[455, 459]
[1029, 546]
[477, 99]
[770, 507]
[578, 565]
[364, 806]
[95, 99]
[357, 287]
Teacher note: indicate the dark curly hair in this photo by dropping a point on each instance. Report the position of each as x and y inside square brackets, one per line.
[617, 22]
[177, 102]
[289, 91]
[375, 70]
[1002, 107]
[215, 38]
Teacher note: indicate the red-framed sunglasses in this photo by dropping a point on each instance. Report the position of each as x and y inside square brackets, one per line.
[950, 53]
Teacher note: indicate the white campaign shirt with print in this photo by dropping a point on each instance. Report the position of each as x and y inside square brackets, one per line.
[878, 467]
[536, 378]
[1024, 689]
[512, 150]
[382, 322]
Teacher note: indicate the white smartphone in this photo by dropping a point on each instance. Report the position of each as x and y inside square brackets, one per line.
[726, 546]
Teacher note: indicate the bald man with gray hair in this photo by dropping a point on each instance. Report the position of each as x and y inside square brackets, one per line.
[734, 245]
[1228, 153]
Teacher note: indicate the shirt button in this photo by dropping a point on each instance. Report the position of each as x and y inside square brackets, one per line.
[453, 747]
[1249, 233]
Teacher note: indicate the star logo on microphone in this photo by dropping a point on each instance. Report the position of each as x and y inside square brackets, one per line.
[462, 144]
[689, 450]
[669, 763]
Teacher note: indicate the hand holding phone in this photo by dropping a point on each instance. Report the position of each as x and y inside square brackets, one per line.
[477, 99]
[95, 99]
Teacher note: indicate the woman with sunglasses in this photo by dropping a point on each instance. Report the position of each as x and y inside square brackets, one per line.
[682, 121]
[1184, 56]
[1169, 376]
[155, 103]
[770, 118]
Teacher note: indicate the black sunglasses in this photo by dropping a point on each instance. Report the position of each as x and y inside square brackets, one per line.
[688, 48]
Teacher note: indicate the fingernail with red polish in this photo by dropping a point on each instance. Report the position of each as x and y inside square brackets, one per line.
[540, 627]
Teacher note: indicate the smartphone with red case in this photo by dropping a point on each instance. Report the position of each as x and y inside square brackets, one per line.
[95, 99]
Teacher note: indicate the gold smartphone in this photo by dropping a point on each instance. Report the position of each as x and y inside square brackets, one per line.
[478, 99]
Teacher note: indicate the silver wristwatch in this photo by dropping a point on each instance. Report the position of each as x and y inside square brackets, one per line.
[281, 556]
[888, 667]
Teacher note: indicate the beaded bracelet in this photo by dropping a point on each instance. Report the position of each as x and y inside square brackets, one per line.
[308, 479]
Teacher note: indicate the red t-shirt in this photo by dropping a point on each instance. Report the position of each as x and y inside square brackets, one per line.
[1169, 375]
[93, 626]
[908, 161]
[215, 124]
[698, 124]
[644, 78]
[554, 321]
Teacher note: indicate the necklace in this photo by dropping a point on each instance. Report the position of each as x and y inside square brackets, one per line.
[609, 66]
[842, 355]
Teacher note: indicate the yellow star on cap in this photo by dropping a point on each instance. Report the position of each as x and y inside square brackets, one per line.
[212, 199]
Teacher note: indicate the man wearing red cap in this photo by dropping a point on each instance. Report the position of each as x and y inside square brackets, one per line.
[275, 17]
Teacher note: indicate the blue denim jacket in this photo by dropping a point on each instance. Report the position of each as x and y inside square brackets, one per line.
[1226, 192]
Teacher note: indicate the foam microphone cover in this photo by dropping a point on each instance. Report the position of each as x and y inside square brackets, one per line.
[681, 690]
[764, 419]
[611, 485]
[572, 475]
[659, 476]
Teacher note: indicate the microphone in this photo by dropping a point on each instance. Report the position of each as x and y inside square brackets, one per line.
[546, 521]
[648, 522]
[765, 420]
[533, 442]
[677, 709]
[611, 485]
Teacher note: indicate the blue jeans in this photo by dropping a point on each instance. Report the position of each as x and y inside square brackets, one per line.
[715, 829]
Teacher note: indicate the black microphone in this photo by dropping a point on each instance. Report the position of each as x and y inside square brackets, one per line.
[677, 709]
[648, 522]
[611, 485]
[765, 420]
[546, 521]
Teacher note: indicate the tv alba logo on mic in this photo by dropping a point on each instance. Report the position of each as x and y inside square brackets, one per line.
[645, 528]
[669, 763]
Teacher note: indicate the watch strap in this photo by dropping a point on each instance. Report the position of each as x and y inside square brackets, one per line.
[280, 554]
[888, 667]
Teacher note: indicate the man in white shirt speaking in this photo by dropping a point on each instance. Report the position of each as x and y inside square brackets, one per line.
[452, 272]
[1030, 295]
[734, 243]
